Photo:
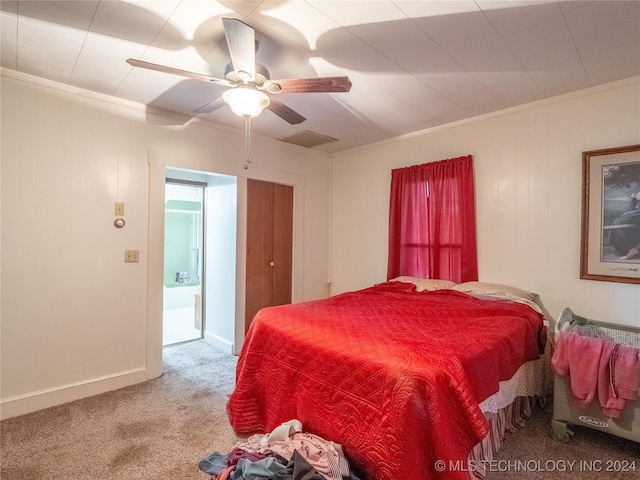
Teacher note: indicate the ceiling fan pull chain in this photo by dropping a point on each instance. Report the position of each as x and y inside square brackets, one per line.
[248, 141]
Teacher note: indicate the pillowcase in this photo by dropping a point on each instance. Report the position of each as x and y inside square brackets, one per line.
[425, 283]
[483, 287]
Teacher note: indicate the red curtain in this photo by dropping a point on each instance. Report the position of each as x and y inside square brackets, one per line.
[432, 226]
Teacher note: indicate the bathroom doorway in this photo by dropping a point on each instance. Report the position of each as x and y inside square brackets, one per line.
[183, 306]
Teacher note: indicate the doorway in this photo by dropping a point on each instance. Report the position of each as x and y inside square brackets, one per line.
[183, 306]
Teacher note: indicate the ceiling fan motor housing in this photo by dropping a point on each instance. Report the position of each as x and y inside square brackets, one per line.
[262, 74]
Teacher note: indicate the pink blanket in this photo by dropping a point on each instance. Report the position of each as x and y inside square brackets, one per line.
[597, 368]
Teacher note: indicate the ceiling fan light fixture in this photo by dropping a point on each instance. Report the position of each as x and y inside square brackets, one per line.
[246, 102]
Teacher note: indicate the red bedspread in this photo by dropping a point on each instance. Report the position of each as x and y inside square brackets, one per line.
[393, 375]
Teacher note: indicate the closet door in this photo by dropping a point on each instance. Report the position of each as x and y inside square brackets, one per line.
[269, 246]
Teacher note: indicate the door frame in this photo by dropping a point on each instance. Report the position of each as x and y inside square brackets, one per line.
[203, 250]
[159, 161]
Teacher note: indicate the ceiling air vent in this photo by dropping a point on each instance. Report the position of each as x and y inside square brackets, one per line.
[308, 139]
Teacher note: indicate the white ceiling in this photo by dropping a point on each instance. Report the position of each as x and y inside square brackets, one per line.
[413, 64]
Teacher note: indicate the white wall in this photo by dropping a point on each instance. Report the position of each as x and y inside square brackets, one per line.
[77, 320]
[220, 263]
[528, 173]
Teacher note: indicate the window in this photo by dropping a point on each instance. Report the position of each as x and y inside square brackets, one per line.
[432, 231]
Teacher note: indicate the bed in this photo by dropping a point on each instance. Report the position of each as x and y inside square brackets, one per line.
[405, 374]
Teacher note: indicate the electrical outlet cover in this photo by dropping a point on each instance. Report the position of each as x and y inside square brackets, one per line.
[131, 256]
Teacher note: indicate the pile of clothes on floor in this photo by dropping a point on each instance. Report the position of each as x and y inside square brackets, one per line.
[287, 453]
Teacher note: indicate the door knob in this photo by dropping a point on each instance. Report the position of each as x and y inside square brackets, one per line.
[271, 264]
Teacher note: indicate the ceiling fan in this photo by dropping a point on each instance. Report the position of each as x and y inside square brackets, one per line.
[250, 88]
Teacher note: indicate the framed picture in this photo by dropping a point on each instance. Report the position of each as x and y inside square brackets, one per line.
[610, 244]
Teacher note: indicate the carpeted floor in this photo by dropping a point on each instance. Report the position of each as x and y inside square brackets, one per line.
[158, 429]
[531, 454]
[164, 427]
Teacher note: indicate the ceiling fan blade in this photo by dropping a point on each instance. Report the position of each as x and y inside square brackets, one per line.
[285, 112]
[310, 85]
[241, 40]
[211, 106]
[177, 71]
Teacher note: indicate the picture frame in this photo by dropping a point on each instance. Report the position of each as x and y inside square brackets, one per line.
[610, 232]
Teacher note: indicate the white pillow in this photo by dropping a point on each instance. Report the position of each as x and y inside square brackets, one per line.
[425, 283]
[495, 288]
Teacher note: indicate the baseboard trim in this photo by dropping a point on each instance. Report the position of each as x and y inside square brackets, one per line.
[31, 402]
[221, 343]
